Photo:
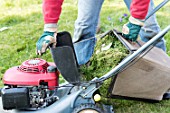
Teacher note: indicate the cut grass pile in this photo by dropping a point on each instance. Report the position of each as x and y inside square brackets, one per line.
[108, 53]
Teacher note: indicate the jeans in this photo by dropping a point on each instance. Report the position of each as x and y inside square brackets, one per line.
[85, 28]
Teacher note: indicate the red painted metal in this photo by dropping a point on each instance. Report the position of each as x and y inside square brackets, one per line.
[31, 73]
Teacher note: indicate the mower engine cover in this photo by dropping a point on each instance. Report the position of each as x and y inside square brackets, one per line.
[32, 72]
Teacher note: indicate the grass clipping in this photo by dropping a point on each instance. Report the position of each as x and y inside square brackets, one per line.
[109, 51]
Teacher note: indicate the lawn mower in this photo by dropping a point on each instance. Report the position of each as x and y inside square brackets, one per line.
[33, 86]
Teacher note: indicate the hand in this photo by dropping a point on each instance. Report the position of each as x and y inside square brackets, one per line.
[132, 28]
[47, 38]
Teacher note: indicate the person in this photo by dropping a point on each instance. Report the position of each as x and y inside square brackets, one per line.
[151, 27]
[85, 25]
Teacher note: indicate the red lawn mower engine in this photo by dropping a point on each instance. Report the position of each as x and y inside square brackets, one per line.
[30, 85]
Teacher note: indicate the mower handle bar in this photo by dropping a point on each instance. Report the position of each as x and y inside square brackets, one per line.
[138, 52]
[156, 8]
[141, 50]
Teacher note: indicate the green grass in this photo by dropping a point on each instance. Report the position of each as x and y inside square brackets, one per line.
[25, 22]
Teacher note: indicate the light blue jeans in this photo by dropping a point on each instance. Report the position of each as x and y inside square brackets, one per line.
[85, 28]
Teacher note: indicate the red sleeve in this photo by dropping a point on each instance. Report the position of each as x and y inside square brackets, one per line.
[139, 8]
[52, 10]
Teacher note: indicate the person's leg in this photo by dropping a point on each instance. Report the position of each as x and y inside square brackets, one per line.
[151, 27]
[85, 29]
[98, 26]
[87, 19]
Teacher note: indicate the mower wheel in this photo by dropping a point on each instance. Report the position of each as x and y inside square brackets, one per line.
[87, 108]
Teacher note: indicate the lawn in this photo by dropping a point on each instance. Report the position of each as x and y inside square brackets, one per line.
[24, 25]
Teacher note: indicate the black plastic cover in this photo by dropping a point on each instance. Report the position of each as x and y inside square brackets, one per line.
[15, 98]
